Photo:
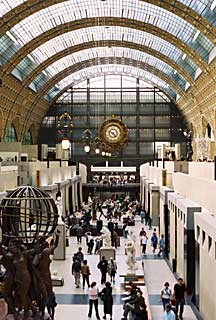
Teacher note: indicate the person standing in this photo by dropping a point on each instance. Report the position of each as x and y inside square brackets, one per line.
[169, 313]
[79, 233]
[89, 237]
[154, 241]
[165, 295]
[142, 216]
[98, 242]
[76, 269]
[142, 231]
[161, 246]
[85, 271]
[115, 239]
[107, 298]
[112, 268]
[103, 267]
[51, 304]
[91, 246]
[180, 295]
[93, 299]
[143, 241]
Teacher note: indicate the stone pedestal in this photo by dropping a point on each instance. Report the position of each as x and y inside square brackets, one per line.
[154, 204]
[107, 252]
[60, 251]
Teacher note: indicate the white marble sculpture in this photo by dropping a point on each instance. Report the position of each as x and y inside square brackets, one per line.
[203, 148]
[60, 208]
[106, 236]
[131, 252]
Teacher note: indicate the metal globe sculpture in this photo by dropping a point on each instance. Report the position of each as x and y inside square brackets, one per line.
[28, 214]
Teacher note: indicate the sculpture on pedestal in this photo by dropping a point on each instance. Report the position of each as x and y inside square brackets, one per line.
[59, 208]
[106, 236]
[26, 254]
[131, 252]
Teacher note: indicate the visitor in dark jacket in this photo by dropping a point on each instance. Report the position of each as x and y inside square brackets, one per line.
[103, 267]
[133, 304]
[106, 296]
[140, 313]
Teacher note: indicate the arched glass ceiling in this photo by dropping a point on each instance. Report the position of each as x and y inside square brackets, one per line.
[48, 18]
[73, 38]
[109, 69]
[98, 52]
[204, 8]
[114, 81]
[8, 5]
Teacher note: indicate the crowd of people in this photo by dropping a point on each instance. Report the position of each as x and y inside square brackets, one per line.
[113, 180]
[134, 302]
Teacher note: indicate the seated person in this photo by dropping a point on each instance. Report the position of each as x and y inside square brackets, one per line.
[140, 313]
[133, 304]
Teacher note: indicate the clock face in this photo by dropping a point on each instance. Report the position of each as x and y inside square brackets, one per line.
[114, 133]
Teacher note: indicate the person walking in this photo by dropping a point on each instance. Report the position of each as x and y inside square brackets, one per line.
[169, 313]
[112, 268]
[103, 267]
[107, 298]
[93, 299]
[79, 254]
[85, 271]
[154, 241]
[76, 269]
[143, 242]
[161, 246]
[79, 233]
[165, 295]
[180, 296]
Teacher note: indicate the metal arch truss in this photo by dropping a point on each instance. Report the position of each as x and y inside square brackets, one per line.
[188, 13]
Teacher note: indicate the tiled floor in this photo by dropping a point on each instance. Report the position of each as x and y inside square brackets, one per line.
[73, 302]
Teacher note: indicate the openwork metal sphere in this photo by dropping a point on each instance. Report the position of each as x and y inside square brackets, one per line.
[29, 214]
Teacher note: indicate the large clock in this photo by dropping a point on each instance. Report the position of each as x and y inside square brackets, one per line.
[113, 132]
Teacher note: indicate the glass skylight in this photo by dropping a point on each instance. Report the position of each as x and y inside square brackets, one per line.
[73, 38]
[115, 81]
[8, 5]
[202, 7]
[61, 13]
[90, 72]
[127, 53]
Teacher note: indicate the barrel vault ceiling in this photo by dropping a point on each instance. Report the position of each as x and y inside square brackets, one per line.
[47, 46]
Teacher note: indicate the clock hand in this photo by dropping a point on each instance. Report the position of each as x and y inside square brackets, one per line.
[114, 133]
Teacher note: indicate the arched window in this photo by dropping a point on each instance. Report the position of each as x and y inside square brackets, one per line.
[27, 138]
[10, 134]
